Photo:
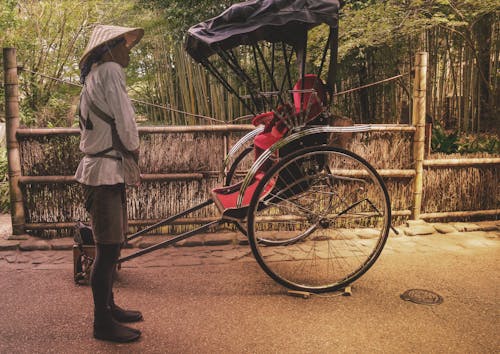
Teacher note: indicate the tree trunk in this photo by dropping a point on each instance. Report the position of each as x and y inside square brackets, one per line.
[364, 93]
[483, 33]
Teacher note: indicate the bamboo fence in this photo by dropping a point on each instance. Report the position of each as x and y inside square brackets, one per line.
[182, 164]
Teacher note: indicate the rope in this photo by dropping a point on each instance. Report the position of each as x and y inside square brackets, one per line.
[49, 77]
[369, 85]
[167, 108]
[335, 94]
[210, 118]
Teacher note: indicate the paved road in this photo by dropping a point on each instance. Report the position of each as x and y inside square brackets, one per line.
[216, 299]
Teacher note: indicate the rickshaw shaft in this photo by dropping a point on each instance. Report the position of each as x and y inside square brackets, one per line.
[170, 241]
[169, 219]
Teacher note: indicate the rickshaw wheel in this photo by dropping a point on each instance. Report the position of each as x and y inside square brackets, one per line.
[325, 221]
[240, 160]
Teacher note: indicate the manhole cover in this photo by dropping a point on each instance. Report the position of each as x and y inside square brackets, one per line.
[421, 296]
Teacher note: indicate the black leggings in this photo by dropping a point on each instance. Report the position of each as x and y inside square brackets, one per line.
[101, 277]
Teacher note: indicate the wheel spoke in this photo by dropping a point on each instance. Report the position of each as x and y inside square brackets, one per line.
[318, 230]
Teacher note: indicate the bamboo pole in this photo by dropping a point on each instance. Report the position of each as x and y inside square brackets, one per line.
[419, 109]
[460, 214]
[27, 132]
[24, 180]
[229, 128]
[395, 173]
[144, 177]
[428, 139]
[462, 162]
[11, 87]
[197, 220]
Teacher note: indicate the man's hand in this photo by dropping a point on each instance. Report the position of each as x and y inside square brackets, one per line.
[135, 154]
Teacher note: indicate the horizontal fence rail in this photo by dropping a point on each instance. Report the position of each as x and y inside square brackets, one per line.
[461, 162]
[224, 132]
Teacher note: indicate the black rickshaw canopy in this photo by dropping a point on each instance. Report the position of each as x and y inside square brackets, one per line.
[279, 22]
[252, 21]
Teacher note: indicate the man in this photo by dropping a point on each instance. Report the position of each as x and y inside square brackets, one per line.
[107, 115]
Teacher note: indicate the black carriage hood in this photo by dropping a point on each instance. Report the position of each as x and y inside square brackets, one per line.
[251, 21]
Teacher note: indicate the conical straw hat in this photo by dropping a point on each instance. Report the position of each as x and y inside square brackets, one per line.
[105, 33]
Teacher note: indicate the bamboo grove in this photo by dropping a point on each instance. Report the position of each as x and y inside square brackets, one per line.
[378, 39]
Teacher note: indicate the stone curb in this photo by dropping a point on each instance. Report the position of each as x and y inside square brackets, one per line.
[9, 245]
[410, 228]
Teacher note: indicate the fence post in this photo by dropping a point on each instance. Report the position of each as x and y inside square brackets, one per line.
[11, 124]
[418, 114]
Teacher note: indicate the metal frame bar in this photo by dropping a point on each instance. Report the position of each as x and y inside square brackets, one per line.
[213, 70]
[332, 67]
[257, 69]
[323, 58]
[268, 70]
[170, 242]
[170, 219]
[288, 59]
[234, 65]
[176, 238]
[272, 57]
[312, 130]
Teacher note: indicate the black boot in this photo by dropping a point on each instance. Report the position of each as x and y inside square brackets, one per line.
[106, 328]
[122, 315]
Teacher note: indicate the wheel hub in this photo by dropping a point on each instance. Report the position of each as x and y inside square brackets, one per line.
[324, 223]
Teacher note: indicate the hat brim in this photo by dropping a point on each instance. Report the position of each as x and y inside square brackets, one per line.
[132, 37]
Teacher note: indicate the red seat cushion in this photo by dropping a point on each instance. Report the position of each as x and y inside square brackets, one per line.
[263, 118]
[227, 197]
[301, 100]
[266, 140]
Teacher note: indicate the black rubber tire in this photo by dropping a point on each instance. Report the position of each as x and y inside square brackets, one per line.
[375, 209]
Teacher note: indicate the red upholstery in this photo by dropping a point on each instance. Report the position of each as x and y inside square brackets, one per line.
[266, 140]
[273, 131]
[275, 128]
[311, 81]
[263, 118]
[227, 197]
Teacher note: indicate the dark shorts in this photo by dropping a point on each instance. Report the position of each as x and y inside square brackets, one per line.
[108, 212]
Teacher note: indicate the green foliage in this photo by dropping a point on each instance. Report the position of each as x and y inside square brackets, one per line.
[8, 21]
[372, 23]
[479, 143]
[442, 141]
[450, 142]
[4, 182]
[49, 37]
[180, 15]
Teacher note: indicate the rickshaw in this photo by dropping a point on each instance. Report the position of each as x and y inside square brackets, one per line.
[316, 215]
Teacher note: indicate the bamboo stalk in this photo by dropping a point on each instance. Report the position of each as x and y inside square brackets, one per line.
[461, 101]
[193, 221]
[460, 214]
[197, 128]
[428, 139]
[144, 177]
[419, 109]
[400, 212]
[171, 176]
[466, 90]
[180, 221]
[28, 132]
[461, 162]
[12, 119]
[382, 173]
